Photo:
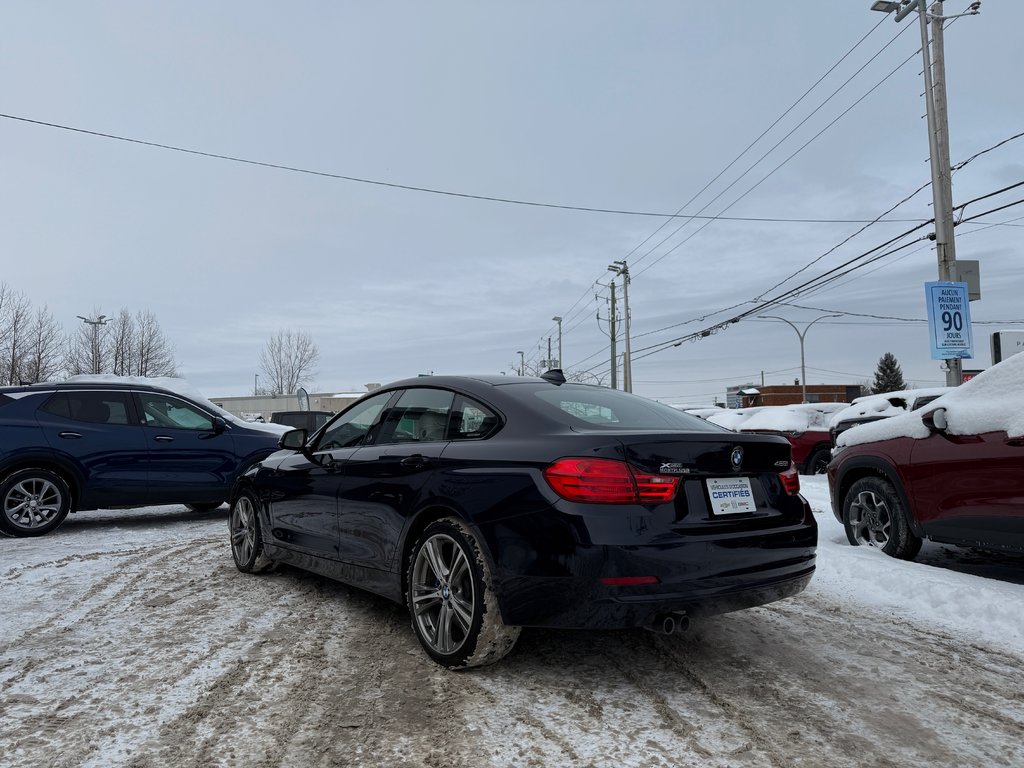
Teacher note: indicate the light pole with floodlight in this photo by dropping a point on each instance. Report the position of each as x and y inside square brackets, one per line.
[95, 322]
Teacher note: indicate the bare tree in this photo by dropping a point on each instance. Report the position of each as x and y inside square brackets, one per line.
[15, 318]
[122, 342]
[128, 345]
[288, 360]
[42, 357]
[153, 351]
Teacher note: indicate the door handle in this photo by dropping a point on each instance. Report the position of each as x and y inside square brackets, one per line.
[164, 439]
[69, 435]
[417, 461]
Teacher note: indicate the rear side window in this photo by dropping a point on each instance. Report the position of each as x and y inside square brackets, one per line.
[471, 420]
[420, 415]
[90, 407]
[601, 408]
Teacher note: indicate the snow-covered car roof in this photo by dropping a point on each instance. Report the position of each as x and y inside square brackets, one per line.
[990, 402]
[782, 418]
[181, 387]
[885, 404]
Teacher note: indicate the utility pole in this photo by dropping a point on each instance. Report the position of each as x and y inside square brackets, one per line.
[938, 137]
[621, 268]
[613, 331]
[944, 244]
[522, 363]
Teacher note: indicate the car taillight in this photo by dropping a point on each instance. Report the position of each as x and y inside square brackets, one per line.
[606, 481]
[790, 480]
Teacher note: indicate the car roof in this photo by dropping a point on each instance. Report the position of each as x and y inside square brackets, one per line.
[484, 380]
[71, 386]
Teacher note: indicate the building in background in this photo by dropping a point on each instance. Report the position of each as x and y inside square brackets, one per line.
[251, 408]
[747, 395]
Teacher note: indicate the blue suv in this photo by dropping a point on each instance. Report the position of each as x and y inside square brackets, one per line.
[76, 446]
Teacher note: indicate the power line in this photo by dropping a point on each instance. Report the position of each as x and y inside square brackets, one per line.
[784, 162]
[426, 190]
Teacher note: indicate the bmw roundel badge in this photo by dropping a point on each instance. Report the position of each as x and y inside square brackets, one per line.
[737, 457]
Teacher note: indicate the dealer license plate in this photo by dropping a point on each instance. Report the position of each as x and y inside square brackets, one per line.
[730, 495]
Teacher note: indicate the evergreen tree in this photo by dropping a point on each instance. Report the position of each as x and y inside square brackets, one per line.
[888, 375]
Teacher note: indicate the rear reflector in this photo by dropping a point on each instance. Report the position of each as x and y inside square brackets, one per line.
[629, 581]
[790, 480]
[607, 481]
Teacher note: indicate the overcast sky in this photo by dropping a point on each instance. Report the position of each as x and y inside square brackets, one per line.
[633, 106]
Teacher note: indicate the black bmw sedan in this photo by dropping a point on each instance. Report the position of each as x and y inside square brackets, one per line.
[487, 504]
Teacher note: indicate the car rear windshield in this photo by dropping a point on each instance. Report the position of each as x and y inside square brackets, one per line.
[611, 409]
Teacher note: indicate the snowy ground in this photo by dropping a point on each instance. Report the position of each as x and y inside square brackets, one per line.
[129, 639]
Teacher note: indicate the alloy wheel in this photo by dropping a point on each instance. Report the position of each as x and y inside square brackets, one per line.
[33, 503]
[871, 519]
[443, 595]
[243, 529]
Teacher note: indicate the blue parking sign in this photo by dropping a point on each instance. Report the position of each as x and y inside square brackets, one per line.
[949, 320]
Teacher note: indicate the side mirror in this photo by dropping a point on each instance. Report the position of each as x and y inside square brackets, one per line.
[295, 440]
[935, 420]
[219, 425]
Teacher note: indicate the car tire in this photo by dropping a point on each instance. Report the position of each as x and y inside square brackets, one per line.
[874, 514]
[246, 535]
[33, 502]
[205, 507]
[817, 464]
[455, 613]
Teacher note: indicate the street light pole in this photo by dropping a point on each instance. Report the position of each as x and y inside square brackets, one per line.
[256, 386]
[803, 367]
[558, 319]
[95, 322]
[522, 363]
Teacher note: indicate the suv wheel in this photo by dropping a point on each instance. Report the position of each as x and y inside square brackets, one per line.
[873, 514]
[33, 502]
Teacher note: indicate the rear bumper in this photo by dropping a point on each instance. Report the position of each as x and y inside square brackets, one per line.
[700, 575]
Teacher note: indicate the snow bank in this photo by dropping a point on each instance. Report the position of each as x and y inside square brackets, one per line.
[969, 606]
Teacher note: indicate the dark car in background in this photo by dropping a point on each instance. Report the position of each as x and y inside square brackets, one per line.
[952, 472]
[869, 408]
[486, 504]
[310, 421]
[88, 445]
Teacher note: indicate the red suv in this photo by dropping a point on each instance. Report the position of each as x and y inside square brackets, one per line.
[952, 472]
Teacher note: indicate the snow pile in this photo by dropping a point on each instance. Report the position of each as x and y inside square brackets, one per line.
[183, 388]
[778, 418]
[990, 402]
[964, 604]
